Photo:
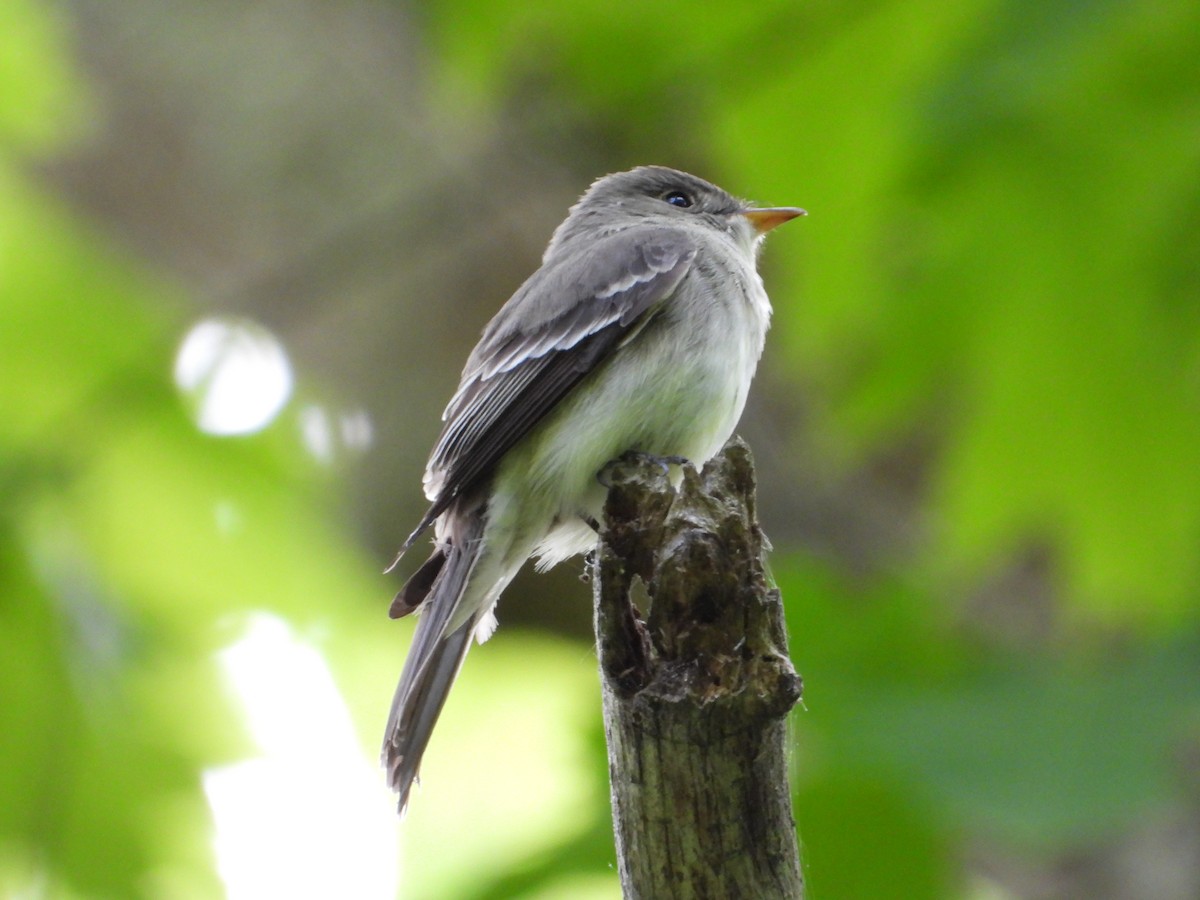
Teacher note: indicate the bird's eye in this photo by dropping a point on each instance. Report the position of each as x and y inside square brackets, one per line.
[678, 198]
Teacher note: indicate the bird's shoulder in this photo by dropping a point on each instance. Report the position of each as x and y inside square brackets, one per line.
[581, 288]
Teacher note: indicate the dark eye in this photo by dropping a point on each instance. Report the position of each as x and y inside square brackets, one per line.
[678, 198]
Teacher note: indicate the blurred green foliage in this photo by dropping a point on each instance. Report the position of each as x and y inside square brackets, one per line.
[76, 659]
[114, 574]
[1000, 263]
[1012, 202]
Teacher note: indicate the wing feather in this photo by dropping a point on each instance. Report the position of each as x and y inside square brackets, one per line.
[558, 327]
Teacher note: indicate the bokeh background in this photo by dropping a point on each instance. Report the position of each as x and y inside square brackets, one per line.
[244, 250]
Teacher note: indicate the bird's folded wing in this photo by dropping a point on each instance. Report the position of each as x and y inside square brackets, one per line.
[559, 326]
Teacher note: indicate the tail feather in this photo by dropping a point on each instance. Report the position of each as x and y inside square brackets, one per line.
[418, 586]
[435, 657]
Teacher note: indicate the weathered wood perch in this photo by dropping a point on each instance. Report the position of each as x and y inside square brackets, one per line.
[697, 692]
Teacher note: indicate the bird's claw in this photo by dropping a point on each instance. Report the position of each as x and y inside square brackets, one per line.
[604, 476]
[589, 566]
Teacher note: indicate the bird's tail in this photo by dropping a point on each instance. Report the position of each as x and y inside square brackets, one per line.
[435, 657]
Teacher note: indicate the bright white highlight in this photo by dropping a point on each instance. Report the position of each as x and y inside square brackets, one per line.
[326, 435]
[317, 433]
[357, 430]
[236, 374]
[311, 817]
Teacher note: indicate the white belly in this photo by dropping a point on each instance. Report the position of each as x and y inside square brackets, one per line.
[677, 389]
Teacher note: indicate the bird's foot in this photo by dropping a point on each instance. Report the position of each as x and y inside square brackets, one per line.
[589, 566]
[604, 476]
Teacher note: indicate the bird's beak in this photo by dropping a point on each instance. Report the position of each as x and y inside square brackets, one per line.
[764, 220]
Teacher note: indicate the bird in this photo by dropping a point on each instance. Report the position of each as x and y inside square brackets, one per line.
[640, 332]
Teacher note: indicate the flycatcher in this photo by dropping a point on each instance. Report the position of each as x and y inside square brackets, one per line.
[641, 331]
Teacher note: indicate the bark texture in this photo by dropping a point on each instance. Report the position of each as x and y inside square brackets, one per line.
[696, 693]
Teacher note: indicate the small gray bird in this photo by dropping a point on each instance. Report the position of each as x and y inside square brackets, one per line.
[641, 331]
